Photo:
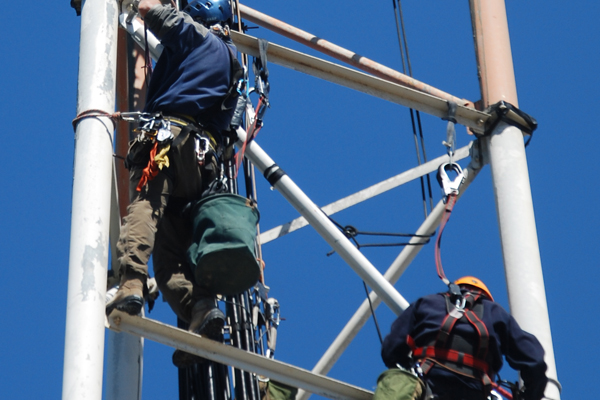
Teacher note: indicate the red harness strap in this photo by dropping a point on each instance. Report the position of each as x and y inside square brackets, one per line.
[452, 356]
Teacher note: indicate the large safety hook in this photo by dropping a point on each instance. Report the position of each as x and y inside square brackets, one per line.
[450, 187]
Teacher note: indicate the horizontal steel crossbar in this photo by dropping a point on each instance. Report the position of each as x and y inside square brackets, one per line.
[241, 359]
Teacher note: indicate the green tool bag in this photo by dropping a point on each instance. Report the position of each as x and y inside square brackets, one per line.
[398, 384]
[272, 390]
[222, 253]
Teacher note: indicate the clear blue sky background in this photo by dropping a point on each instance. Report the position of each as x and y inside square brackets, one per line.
[332, 142]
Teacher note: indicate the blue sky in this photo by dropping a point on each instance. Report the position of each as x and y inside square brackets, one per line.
[332, 142]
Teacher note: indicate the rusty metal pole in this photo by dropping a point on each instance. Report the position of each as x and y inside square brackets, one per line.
[344, 55]
[505, 151]
[122, 136]
[124, 352]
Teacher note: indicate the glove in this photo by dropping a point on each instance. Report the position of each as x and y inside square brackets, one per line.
[129, 6]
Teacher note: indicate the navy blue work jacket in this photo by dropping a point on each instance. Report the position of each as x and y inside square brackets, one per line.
[193, 72]
[423, 320]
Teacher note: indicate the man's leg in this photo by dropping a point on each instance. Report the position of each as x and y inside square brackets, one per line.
[136, 241]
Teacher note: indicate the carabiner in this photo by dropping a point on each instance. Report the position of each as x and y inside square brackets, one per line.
[450, 186]
[460, 303]
[131, 116]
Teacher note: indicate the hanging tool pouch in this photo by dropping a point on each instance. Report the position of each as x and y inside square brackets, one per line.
[399, 384]
[223, 254]
[272, 390]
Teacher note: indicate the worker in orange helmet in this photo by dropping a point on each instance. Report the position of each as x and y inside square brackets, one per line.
[455, 343]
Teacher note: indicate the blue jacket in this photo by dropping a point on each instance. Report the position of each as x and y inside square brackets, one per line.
[193, 72]
[423, 319]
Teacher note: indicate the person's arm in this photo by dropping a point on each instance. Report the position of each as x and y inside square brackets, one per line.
[395, 349]
[524, 353]
[146, 5]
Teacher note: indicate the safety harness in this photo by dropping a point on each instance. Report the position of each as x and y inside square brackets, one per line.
[156, 138]
[452, 352]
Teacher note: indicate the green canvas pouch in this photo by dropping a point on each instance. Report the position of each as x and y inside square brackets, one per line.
[272, 390]
[398, 384]
[222, 254]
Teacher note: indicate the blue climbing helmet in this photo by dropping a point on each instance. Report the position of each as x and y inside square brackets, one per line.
[209, 11]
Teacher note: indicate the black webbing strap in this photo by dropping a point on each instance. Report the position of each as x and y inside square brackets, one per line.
[273, 174]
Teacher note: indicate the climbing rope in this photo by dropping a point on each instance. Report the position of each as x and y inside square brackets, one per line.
[95, 113]
[351, 232]
[415, 116]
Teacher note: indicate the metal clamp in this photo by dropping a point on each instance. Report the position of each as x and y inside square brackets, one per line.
[450, 187]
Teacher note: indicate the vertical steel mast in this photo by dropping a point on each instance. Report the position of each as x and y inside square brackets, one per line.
[514, 204]
[88, 259]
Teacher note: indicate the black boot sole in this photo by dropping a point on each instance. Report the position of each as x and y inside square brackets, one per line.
[132, 305]
[213, 325]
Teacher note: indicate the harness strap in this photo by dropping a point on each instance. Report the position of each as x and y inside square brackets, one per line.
[450, 355]
[158, 153]
[187, 127]
[484, 336]
[450, 202]
[447, 325]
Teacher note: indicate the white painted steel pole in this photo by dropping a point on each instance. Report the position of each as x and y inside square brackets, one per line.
[514, 204]
[88, 259]
[321, 223]
[366, 194]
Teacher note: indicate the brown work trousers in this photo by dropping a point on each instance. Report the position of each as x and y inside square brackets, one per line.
[153, 226]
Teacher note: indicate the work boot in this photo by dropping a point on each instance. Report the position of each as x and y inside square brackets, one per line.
[130, 296]
[207, 321]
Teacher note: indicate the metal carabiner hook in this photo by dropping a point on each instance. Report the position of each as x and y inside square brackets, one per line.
[450, 186]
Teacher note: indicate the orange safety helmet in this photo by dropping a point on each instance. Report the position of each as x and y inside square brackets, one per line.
[472, 281]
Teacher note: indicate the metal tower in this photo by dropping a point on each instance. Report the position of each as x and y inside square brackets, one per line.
[95, 212]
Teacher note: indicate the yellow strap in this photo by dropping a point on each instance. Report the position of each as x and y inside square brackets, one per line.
[186, 121]
[161, 158]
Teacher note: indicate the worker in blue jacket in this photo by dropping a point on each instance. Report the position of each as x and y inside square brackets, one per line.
[176, 157]
[456, 344]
